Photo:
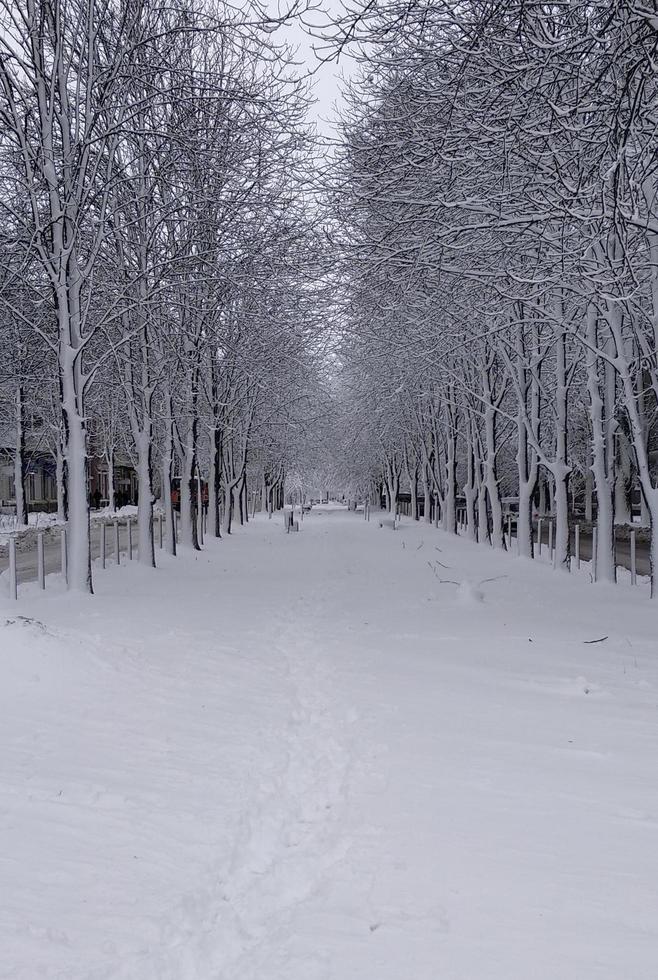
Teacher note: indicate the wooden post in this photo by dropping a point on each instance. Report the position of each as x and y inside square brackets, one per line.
[103, 543]
[117, 546]
[633, 560]
[550, 539]
[539, 523]
[509, 531]
[577, 545]
[13, 583]
[41, 566]
[62, 545]
[160, 528]
[129, 532]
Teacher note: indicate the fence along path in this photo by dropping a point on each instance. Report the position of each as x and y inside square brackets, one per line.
[631, 552]
[110, 539]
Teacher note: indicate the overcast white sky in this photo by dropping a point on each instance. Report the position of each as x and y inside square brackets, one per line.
[327, 79]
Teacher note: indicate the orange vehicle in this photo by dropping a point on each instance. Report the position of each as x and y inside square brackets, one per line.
[175, 493]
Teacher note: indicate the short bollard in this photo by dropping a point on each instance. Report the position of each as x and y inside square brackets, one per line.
[509, 531]
[160, 528]
[103, 543]
[13, 583]
[117, 545]
[633, 560]
[41, 568]
[129, 527]
[539, 523]
[577, 545]
[550, 540]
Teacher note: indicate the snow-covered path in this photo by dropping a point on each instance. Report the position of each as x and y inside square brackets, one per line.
[314, 757]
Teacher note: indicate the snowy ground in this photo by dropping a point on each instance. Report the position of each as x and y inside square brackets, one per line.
[305, 757]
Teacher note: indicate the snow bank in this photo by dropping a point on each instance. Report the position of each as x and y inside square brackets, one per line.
[38, 521]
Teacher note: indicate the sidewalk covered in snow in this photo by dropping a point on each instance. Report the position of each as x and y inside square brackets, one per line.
[343, 754]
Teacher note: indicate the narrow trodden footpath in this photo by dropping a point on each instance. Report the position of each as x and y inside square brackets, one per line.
[350, 753]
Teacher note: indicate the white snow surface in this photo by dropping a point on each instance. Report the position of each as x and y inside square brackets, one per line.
[314, 757]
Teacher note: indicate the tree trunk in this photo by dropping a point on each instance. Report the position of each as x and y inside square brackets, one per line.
[111, 489]
[19, 459]
[427, 497]
[491, 479]
[449, 518]
[60, 478]
[75, 452]
[602, 462]
[527, 469]
[145, 499]
[561, 469]
[188, 508]
[470, 490]
[167, 504]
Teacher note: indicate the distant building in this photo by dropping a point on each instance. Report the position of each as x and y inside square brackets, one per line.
[40, 471]
[125, 481]
[41, 475]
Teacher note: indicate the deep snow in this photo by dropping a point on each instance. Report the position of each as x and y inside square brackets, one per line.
[314, 757]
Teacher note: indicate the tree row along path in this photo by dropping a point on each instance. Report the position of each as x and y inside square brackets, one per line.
[345, 753]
